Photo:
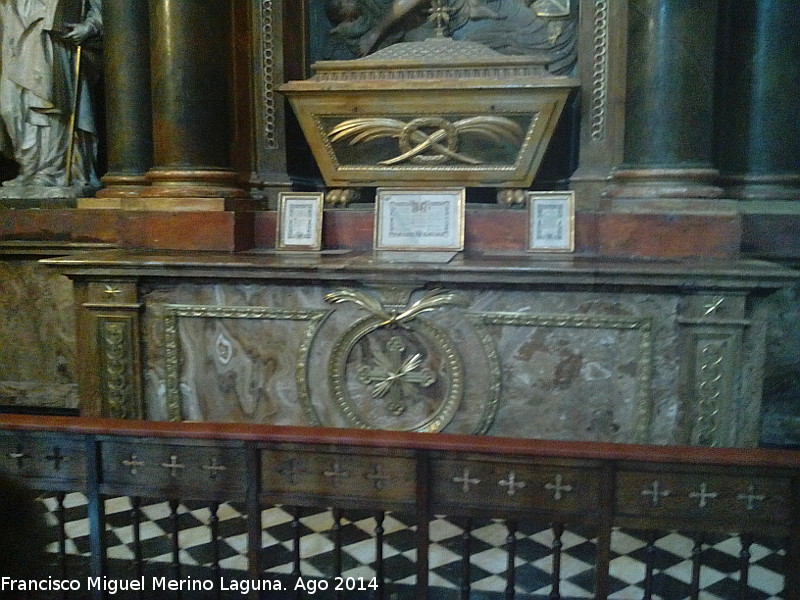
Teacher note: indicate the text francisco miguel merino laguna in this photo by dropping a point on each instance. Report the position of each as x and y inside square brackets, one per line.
[184, 584]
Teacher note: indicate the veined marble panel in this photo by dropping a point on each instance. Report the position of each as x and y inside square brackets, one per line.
[227, 353]
[37, 321]
[782, 369]
[585, 366]
[546, 364]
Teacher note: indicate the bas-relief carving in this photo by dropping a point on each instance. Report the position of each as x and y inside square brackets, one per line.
[411, 378]
[393, 370]
[435, 140]
[719, 331]
[37, 339]
[464, 389]
[115, 341]
[535, 364]
[515, 27]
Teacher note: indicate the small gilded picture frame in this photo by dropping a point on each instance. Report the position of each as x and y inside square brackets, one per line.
[299, 224]
[551, 221]
[419, 219]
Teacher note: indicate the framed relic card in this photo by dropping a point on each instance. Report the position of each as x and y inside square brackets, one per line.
[551, 221]
[299, 221]
[419, 219]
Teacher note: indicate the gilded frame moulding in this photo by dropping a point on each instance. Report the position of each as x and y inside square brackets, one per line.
[267, 40]
[441, 207]
[172, 361]
[492, 404]
[599, 89]
[709, 387]
[551, 221]
[644, 367]
[299, 225]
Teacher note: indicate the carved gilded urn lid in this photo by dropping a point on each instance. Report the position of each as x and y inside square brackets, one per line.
[433, 58]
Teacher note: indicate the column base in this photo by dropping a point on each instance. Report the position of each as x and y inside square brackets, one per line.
[665, 183]
[762, 187]
[122, 185]
[196, 183]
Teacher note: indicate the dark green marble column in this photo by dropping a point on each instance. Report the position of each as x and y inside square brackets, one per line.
[669, 109]
[758, 149]
[190, 43]
[126, 53]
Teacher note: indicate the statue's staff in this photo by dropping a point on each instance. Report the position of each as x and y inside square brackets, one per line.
[73, 118]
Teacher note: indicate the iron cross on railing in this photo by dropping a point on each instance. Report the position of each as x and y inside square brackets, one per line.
[466, 481]
[173, 466]
[703, 495]
[751, 498]
[558, 488]
[292, 470]
[656, 492]
[391, 371]
[213, 469]
[336, 472]
[511, 484]
[57, 458]
[20, 455]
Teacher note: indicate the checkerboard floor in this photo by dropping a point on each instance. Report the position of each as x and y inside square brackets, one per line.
[488, 539]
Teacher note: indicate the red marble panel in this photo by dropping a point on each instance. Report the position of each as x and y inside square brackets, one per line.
[67, 225]
[668, 236]
[216, 231]
[496, 230]
[351, 229]
[638, 235]
[771, 236]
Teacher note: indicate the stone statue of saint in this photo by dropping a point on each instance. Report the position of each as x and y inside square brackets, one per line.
[47, 116]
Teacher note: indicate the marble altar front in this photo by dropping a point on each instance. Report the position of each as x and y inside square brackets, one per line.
[667, 352]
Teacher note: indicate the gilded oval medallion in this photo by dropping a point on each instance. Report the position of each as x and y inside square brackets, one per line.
[407, 377]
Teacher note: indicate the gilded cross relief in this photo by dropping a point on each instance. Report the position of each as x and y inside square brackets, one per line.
[392, 374]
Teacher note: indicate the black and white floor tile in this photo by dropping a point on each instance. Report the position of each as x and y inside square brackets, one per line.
[533, 560]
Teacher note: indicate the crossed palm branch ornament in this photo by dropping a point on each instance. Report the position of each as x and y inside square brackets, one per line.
[430, 140]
